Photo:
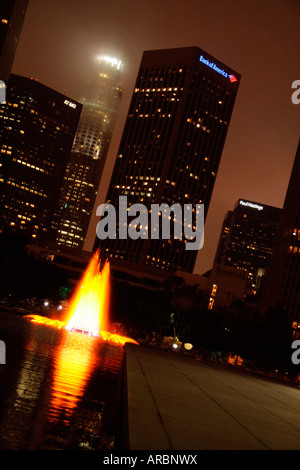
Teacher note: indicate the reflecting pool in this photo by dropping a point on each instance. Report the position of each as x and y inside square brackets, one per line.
[59, 390]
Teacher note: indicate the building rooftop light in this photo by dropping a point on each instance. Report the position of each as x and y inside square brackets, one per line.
[113, 61]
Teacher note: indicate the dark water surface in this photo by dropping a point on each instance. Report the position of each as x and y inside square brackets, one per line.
[59, 390]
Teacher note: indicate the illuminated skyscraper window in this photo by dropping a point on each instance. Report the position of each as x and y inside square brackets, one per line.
[101, 97]
[247, 239]
[171, 145]
[37, 128]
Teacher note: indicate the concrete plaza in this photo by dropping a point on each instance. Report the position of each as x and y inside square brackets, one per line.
[176, 402]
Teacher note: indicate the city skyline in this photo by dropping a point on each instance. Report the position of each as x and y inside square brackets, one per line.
[258, 39]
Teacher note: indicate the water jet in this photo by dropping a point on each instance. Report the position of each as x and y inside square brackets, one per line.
[88, 311]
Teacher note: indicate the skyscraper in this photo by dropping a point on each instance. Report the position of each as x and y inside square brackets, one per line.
[247, 240]
[12, 14]
[101, 97]
[37, 128]
[282, 286]
[171, 146]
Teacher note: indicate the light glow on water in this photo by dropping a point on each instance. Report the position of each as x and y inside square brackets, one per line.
[73, 366]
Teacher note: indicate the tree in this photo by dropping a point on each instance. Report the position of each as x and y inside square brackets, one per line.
[277, 339]
[186, 304]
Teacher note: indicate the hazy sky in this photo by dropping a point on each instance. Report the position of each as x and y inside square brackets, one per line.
[260, 39]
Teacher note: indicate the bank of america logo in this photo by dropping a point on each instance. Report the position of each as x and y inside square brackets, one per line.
[213, 66]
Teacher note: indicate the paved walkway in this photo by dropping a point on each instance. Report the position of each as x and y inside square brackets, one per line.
[177, 402]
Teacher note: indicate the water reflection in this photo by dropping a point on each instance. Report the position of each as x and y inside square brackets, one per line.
[73, 365]
[59, 389]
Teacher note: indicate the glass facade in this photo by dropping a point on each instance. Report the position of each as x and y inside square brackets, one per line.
[171, 146]
[101, 97]
[37, 128]
[247, 240]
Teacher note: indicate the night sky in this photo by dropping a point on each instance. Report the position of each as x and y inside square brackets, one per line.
[259, 39]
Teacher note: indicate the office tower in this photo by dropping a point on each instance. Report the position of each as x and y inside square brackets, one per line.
[247, 239]
[171, 146]
[12, 14]
[37, 128]
[101, 97]
[282, 286]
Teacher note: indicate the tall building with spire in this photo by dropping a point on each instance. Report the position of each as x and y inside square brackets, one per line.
[171, 147]
[101, 97]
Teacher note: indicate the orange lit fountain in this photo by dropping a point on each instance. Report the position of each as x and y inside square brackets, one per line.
[88, 311]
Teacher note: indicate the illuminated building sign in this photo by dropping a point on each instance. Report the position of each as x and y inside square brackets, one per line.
[252, 205]
[217, 69]
[69, 103]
